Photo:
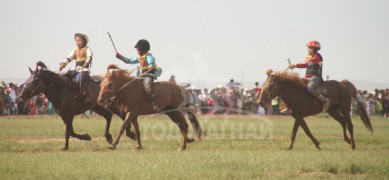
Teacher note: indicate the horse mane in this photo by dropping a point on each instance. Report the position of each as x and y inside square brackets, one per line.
[118, 72]
[291, 78]
[53, 75]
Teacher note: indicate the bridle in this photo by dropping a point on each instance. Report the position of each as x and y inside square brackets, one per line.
[266, 85]
[40, 85]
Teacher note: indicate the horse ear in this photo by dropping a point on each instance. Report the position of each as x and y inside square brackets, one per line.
[30, 70]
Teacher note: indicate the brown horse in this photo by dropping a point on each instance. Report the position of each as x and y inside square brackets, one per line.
[67, 100]
[291, 89]
[130, 92]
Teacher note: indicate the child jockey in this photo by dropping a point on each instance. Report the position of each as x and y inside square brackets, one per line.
[314, 64]
[147, 64]
[83, 56]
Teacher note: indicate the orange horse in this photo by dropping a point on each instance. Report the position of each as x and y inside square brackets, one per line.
[129, 91]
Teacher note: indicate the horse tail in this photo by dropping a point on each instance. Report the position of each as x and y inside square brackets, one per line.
[195, 124]
[360, 107]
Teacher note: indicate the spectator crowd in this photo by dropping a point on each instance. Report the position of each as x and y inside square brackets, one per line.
[231, 98]
[11, 105]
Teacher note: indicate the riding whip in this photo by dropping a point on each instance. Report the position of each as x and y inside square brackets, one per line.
[112, 42]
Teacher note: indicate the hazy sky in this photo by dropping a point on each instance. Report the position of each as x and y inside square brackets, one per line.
[201, 40]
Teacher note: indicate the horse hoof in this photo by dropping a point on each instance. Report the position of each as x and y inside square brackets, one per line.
[87, 137]
[290, 148]
[65, 149]
[112, 147]
[110, 141]
[353, 147]
[131, 135]
[190, 140]
[181, 149]
[138, 148]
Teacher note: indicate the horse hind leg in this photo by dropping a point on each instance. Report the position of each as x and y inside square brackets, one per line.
[179, 119]
[195, 124]
[336, 114]
[108, 117]
[350, 128]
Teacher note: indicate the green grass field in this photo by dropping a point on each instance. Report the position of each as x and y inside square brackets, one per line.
[236, 147]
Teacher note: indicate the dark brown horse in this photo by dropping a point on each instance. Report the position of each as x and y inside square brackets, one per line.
[130, 92]
[67, 100]
[291, 89]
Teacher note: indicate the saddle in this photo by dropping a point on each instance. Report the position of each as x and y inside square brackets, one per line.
[321, 88]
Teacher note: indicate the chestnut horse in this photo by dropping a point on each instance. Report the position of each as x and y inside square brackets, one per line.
[129, 90]
[67, 100]
[292, 90]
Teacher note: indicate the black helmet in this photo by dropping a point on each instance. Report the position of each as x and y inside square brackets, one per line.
[143, 45]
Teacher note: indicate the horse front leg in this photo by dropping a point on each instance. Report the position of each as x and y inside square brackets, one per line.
[294, 133]
[107, 135]
[67, 136]
[136, 127]
[124, 126]
[115, 107]
[70, 132]
[304, 125]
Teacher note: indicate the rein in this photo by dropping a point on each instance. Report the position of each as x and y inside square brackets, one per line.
[138, 77]
[117, 91]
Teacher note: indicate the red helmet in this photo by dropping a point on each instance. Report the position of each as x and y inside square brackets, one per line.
[314, 44]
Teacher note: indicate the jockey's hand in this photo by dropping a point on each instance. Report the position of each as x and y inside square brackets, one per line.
[292, 66]
[85, 65]
[61, 66]
[119, 56]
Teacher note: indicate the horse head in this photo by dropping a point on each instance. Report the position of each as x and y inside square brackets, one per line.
[270, 88]
[34, 84]
[108, 87]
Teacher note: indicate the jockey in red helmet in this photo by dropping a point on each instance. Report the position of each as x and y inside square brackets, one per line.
[314, 64]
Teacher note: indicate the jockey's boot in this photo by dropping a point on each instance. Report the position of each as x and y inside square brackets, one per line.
[155, 107]
[325, 101]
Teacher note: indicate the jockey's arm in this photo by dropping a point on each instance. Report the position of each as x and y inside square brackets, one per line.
[150, 61]
[315, 60]
[72, 56]
[131, 60]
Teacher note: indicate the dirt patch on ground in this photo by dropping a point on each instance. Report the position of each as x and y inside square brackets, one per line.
[316, 174]
[48, 140]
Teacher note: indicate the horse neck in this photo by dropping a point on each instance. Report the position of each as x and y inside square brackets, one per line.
[124, 85]
[54, 87]
[288, 94]
[284, 90]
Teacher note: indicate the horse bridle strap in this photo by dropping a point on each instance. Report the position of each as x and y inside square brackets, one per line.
[40, 85]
